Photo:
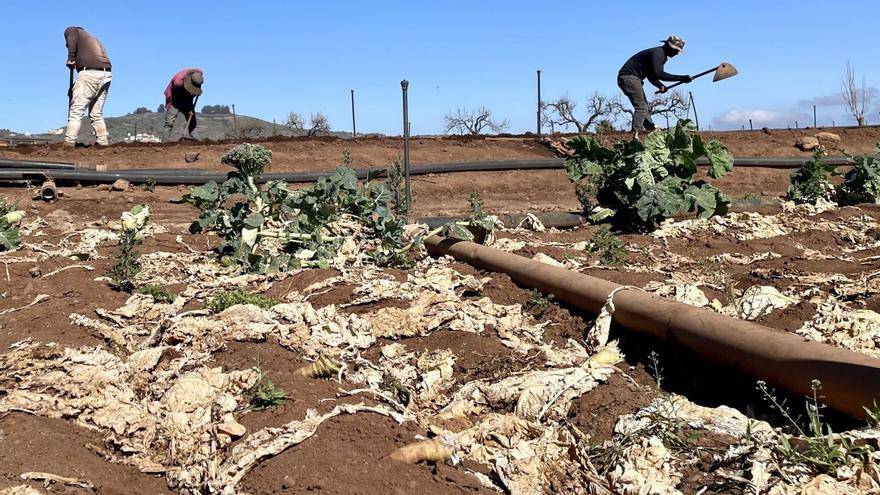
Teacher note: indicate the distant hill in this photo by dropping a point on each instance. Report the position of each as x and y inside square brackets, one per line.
[150, 127]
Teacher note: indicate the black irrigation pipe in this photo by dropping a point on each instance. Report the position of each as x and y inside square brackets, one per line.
[12, 170]
[568, 220]
[34, 164]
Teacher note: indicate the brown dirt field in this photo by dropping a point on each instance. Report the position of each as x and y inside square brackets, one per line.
[34, 444]
[291, 155]
[346, 455]
[322, 153]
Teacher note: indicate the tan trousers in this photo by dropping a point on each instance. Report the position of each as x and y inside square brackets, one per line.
[89, 92]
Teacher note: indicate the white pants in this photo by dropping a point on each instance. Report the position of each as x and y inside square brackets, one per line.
[89, 91]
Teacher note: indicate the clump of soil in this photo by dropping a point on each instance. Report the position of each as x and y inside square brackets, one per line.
[596, 412]
[35, 444]
[347, 456]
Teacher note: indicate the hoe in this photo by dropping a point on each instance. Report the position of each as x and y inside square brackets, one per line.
[723, 71]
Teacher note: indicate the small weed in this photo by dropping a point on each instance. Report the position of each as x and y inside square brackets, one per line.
[265, 395]
[751, 197]
[610, 247]
[816, 446]
[159, 294]
[672, 430]
[398, 390]
[655, 369]
[226, 299]
[872, 414]
[149, 185]
[537, 300]
[126, 266]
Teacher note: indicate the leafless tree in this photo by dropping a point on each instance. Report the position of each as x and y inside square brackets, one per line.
[673, 103]
[857, 100]
[562, 112]
[319, 124]
[295, 122]
[473, 122]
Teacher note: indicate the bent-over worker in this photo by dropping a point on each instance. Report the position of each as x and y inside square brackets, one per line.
[648, 64]
[87, 55]
[181, 94]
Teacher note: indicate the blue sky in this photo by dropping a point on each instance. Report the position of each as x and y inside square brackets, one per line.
[269, 58]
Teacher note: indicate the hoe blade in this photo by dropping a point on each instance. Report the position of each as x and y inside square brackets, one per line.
[724, 71]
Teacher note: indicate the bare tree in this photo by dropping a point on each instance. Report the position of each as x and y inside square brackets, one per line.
[562, 112]
[473, 122]
[857, 100]
[671, 103]
[319, 124]
[295, 122]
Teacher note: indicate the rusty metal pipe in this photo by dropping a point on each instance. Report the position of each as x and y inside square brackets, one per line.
[48, 191]
[849, 380]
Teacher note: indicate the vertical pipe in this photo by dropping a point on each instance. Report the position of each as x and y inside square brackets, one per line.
[750, 125]
[234, 122]
[694, 106]
[539, 104]
[354, 131]
[135, 132]
[404, 86]
[814, 116]
[796, 124]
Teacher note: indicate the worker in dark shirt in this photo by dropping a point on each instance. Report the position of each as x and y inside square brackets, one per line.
[181, 94]
[648, 64]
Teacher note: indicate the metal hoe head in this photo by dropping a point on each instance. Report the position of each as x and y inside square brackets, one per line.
[723, 71]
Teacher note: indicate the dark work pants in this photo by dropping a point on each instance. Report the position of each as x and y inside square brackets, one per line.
[185, 108]
[634, 90]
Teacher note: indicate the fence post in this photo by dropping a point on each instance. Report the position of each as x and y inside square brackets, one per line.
[404, 86]
[539, 105]
[354, 132]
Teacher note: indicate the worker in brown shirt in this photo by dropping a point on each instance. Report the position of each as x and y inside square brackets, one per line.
[87, 55]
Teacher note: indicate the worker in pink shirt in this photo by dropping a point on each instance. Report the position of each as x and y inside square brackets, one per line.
[182, 93]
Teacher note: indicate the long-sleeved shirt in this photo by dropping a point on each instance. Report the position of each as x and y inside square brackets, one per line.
[648, 64]
[85, 50]
[176, 95]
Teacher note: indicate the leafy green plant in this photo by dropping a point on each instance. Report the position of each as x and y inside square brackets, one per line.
[861, 184]
[611, 248]
[268, 228]
[812, 180]
[127, 266]
[159, 294]
[149, 185]
[648, 181]
[266, 395]
[478, 227]
[225, 299]
[394, 180]
[10, 218]
[816, 446]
